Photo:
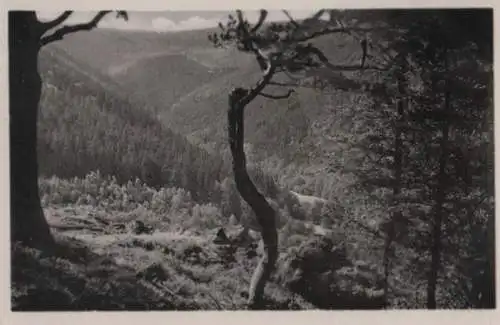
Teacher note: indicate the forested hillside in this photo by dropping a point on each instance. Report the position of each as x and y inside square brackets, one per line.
[85, 125]
[379, 177]
[150, 175]
[184, 80]
[88, 123]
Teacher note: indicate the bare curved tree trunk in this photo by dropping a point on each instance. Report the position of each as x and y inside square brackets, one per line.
[265, 214]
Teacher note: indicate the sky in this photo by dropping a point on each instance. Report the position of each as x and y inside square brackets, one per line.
[167, 21]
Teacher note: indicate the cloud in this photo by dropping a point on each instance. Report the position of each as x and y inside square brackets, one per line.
[161, 24]
[198, 22]
[276, 15]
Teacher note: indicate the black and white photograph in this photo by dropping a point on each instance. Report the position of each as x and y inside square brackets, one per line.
[251, 160]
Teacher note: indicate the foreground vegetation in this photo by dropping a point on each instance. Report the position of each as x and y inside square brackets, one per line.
[130, 246]
[107, 262]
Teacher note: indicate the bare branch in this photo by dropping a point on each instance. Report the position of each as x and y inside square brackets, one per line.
[283, 84]
[328, 31]
[291, 76]
[294, 23]
[248, 41]
[322, 57]
[262, 18]
[284, 96]
[290, 55]
[61, 32]
[318, 15]
[340, 28]
[257, 89]
[59, 20]
[316, 84]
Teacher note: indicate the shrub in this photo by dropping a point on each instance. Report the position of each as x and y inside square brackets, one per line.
[320, 271]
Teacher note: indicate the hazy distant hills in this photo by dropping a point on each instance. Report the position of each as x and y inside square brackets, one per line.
[185, 82]
[88, 123]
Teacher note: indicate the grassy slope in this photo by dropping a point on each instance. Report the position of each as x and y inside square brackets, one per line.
[177, 266]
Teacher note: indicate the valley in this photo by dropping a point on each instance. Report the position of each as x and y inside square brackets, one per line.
[373, 177]
[158, 116]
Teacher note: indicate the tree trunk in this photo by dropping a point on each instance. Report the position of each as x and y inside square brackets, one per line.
[489, 296]
[28, 223]
[263, 211]
[440, 195]
[396, 188]
[437, 226]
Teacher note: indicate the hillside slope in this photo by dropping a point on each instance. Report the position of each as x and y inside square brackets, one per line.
[172, 262]
[152, 78]
[186, 82]
[86, 124]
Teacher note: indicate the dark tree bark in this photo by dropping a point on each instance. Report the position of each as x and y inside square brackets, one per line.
[263, 211]
[439, 197]
[398, 172]
[28, 223]
[437, 224]
[489, 296]
[26, 37]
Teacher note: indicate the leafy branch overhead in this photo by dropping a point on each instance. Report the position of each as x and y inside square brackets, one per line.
[287, 47]
[60, 32]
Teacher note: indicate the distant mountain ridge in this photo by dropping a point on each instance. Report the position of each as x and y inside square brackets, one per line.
[88, 123]
[183, 80]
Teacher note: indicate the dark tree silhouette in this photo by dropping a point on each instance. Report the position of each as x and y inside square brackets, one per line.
[27, 35]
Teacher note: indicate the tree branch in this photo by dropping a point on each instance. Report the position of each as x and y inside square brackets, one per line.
[262, 18]
[257, 89]
[287, 84]
[294, 23]
[291, 76]
[283, 96]
[57, 21]
[270, 69]
[248, 40]
[61, 32]
[290, 56]
[327, 31]
[322, 57]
